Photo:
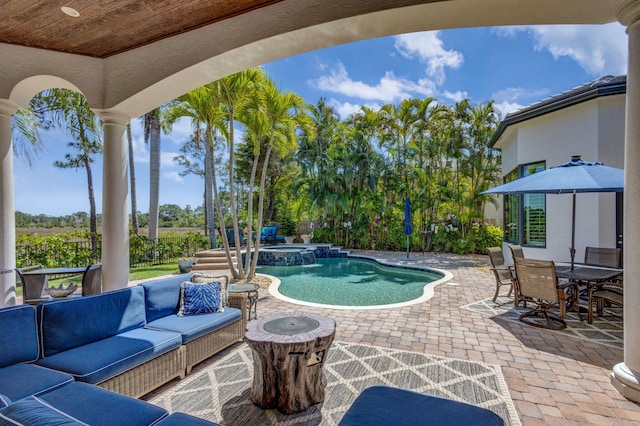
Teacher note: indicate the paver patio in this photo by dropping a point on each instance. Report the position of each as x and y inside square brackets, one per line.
[552, 379]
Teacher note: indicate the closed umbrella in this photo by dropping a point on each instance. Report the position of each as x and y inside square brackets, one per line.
[407, 222]
[572, 177]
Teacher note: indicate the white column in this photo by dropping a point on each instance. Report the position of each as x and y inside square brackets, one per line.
[115, 192]
[626, 376]
[7, 206]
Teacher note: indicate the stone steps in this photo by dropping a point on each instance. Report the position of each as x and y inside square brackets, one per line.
[209, 260]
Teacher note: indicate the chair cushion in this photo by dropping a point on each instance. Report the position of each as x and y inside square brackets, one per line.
[21, 380]
[19, 337]
[98, 361]
[162, 296]
[32, 411]
[385, 405]
[196, 299]
[100, 407]
[193, 326]
[89, 319]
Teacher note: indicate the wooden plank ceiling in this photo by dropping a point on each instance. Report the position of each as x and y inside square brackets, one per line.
[108, 27]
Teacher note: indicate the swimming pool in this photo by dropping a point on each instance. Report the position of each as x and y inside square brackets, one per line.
[353, 283]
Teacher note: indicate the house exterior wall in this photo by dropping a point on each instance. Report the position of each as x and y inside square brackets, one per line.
[594, 129]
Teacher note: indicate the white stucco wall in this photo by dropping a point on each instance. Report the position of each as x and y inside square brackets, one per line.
[594, 129]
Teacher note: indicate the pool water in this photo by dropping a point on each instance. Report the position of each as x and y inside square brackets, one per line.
[351, 282]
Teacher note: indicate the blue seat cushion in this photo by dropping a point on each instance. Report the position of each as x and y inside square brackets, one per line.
[384, 405]
[66, 324]
[181, 419]
[98, 361]
[19, 337]
[21, 380]
[193, 326]
[100, 407]
[32, 411]
[162, 296]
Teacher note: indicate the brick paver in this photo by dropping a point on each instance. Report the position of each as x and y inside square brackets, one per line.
[552, 379]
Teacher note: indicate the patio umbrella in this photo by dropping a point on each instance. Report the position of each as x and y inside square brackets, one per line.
[407, 222]
[571, 177]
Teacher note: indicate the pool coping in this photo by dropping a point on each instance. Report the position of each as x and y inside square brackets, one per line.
[428, 290]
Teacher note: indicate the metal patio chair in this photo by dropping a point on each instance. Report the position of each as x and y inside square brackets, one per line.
[503, 273]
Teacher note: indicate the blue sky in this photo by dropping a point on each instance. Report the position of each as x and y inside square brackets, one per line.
[515, 66]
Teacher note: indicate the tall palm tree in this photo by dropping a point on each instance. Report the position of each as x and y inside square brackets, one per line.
[151, 124]
[26, 135]
[203, 106]
[132, 178]
[283, 114]
[233, 93]
[70, 112]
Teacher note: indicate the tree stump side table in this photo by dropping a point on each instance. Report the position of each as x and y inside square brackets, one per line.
[289, 350]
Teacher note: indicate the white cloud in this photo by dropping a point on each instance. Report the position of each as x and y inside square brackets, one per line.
[598, 49]
[345, 109]
[455, 96]
[429, 49]
[389, 89]
[167, 159]
[174, 176]
[505, 107]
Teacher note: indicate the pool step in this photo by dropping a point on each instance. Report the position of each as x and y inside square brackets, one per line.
[212, 260]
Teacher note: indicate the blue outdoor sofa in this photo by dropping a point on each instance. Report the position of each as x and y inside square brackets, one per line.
[129, 341]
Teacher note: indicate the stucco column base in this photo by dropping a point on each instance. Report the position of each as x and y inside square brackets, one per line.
[626, 382]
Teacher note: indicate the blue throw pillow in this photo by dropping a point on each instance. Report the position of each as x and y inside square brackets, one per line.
[4, 401]
[198, 299]
[32, 411]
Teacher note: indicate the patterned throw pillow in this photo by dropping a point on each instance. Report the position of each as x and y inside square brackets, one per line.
[198, 299]
[200, 278]
[4, 401]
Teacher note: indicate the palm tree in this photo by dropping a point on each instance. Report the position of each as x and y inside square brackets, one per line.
[70, 112]
[26, 136]
[283, 113]
[233, 93]
[151, 123]
[203, 107]
[132, 178]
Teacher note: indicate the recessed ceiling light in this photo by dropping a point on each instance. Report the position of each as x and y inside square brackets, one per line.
[70, 11]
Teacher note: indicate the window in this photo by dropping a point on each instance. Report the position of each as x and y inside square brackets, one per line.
[525, 214]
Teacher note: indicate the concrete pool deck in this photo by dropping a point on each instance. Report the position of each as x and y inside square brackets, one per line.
[552, 379]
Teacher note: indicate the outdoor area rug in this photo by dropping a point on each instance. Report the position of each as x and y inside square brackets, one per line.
[220, 392]
[605, 330]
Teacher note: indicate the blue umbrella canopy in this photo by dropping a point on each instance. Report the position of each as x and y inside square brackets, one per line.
[574, 176]
[407, 217]
[571, 177]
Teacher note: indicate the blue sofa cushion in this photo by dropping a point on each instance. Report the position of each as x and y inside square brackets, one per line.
[21, 380]
[162, 296]
[193, 326]
[19, 337]
[100, 407]
[32, 411]
[384, 405]
[196, 299]
[98, 361]
[89, 319]
[4, 401]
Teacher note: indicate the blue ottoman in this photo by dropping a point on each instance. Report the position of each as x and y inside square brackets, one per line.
[384, 405]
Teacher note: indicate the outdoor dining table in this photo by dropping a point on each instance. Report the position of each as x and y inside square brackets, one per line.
[36, 280]
[587, 273]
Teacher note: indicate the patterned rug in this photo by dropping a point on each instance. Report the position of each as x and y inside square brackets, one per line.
[220, 392]
[605, 330]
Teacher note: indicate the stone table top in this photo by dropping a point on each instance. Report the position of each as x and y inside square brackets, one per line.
[290, 327]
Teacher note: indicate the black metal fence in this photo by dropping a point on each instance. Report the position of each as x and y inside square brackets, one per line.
[142, 251]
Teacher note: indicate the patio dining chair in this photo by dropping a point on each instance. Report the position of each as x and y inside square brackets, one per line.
[603, 256]
[502, 272]
[536, 282]
[610, 292]
[92, 280]
[33, 286]
[516, 250]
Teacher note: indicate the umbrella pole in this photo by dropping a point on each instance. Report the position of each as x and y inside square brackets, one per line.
[407, 246]
[573, 231]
